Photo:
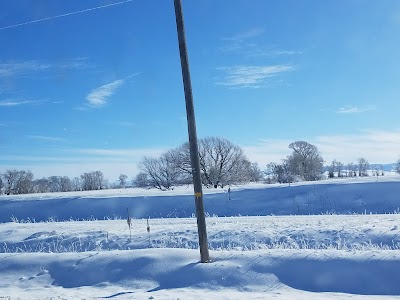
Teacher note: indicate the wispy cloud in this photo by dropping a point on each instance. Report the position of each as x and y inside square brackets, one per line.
[45, 138]
[250, 43]
[251, 76]
[246, 35]
[98, 97]
[354, 109]
[280, 52]
[11, 103]
[19, 68]
[23, 67]
[73, 64]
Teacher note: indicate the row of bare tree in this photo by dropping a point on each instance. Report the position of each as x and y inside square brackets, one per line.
[306, 164]
[221, 163]
[14, 182]
[360, 168]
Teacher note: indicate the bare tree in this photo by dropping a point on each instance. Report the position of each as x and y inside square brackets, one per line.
[222, 162]
[24, 184]
[152, 168]
[41, 185]
[363, 166]
[161, 171]
[339, 168]
[351, 170]
[141, 180]
[397, 167]
[122, 180]
[65, 184]
[279, 173]
[99, 180]
[92, 181]
[76, 184]
[255, 173]
[274, 173]
[181, 159]
[305, 161]
[54, 184]
[18, 182]
[1, 185]
[10, 178]
[332, 169]
[87, 182]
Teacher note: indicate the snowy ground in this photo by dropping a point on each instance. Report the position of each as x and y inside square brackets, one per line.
[260, 256]
[345, 196]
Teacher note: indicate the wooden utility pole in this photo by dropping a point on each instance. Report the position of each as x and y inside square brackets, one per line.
[194, 150]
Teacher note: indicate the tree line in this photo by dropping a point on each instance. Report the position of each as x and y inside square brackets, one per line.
[306, 164]
[14, 182]
[222, 163]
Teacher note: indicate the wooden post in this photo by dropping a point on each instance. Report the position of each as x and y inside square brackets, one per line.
[194, 150]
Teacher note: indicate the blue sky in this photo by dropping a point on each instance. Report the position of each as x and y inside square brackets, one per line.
[100, 86]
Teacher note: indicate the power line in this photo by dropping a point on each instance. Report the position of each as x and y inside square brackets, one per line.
[65, 15]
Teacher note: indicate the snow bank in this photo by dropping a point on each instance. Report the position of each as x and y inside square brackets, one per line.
[174, 273]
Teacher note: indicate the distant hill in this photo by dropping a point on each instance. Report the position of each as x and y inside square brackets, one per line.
[386, 167]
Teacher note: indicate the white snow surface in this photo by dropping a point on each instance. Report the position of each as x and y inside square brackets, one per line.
[337, 239]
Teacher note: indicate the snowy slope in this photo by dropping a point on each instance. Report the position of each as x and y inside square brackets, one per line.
[364, 195]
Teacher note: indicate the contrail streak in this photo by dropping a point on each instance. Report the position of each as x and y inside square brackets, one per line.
[64, 15]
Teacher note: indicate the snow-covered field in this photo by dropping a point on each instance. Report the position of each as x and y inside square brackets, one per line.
[336, 239]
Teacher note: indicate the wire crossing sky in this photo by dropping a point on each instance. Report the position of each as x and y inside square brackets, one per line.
[65, 15]
[82, 91]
